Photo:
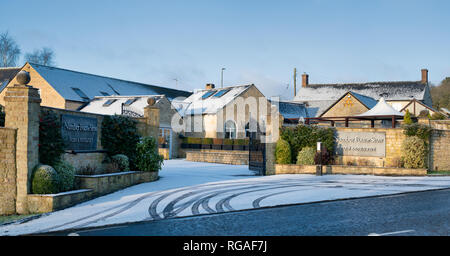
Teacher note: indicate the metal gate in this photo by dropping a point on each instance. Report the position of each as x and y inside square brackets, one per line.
[256, 154]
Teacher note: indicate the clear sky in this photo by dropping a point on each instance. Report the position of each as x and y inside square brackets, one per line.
[257, 41]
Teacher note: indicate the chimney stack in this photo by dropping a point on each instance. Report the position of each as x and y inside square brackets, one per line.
[305, 80]
[210, 86]
[424, 76]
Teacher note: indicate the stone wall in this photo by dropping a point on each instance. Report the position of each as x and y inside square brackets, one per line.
[440, 124]
[440, 153]
[295, 169]
[7, 171]
[368, 170]
[394, 140]
[342, 169]
[218, 156]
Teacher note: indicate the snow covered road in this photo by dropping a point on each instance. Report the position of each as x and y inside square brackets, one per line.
[192, 188]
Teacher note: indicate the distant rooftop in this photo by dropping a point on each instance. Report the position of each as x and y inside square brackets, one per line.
[79, 86]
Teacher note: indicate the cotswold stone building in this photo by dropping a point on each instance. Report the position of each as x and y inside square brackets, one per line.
[326, 100]
[68, 89]
[134, 106]
[231, 112]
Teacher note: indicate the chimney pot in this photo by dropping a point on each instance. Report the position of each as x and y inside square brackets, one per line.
[305, 80]
[424, 76]
[210, 86]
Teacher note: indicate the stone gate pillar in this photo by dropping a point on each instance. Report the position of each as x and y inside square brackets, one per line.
[22, 107]
[273, 131]
[151, 114]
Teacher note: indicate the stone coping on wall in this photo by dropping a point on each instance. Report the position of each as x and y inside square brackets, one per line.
[41, 203]
[91, 186]
[348, 169]
[219, 156]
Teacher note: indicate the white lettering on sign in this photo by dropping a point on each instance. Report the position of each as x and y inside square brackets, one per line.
[361, 144]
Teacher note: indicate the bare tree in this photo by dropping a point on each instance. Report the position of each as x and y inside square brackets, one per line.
[44, 56]
[9, 50]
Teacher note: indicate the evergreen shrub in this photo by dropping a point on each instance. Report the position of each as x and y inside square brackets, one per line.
[120, 136]
[414, 152]
[66, 175]
[121, 161]
[306, 156]
[147, 156]
[44, 180]
[51, 144]
[283, 152]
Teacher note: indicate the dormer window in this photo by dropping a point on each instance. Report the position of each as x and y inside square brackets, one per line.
[80, 93]
[130, 101]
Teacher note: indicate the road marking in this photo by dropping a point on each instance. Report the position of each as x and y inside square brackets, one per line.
[392, 233]
[73, 234]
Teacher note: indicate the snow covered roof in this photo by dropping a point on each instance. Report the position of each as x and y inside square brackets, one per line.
[110, 105]
[292, 109]
[446, 111]
[78, 86]
[209, 101]
[382, 109]
[315, 108]
[388, 90]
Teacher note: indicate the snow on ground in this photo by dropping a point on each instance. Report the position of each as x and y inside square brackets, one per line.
[192, 188]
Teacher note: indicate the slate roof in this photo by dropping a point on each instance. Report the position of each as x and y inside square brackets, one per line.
[63, 81]
[315, 108]
[406, 90]
[292, 109]
[6, 75]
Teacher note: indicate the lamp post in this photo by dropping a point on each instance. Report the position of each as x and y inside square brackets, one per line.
[221, 77]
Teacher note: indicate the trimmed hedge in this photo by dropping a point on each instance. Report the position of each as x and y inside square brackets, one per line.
[303, 136]
[414, 152]
[66, 176]
[121, 161]
[306, 156]
[283, 152]
[44, 180]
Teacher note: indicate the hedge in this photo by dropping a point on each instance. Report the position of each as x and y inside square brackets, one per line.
[303, 136]
[283, 152]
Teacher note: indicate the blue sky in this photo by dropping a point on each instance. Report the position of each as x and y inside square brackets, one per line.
[257, 42]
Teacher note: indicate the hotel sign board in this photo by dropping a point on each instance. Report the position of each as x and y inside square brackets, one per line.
[361, 144]
[79, 132]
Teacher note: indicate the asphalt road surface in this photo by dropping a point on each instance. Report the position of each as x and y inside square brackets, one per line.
[418, 213]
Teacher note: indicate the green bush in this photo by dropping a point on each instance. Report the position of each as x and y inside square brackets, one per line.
[51, 144]
[120, 136]
[193, 140]
[227, 141]
[414, 152]
[121, 161]
[303, 136]
[283, 152]
[407, 118]
[419, 130]
[438, 116]
[147, 157]
[66, 175]
[44, 180]
[207, 141]
[241, 142]
[306, 156]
